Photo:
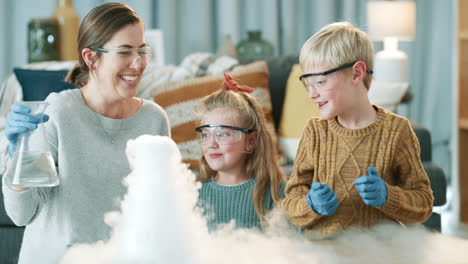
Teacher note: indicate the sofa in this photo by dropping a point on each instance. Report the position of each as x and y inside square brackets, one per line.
[278, 69]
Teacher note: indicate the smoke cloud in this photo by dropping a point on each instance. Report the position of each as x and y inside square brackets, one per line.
[158, 224]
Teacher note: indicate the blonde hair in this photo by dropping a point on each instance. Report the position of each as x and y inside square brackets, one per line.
[337, 44]
[263, 161]
[97, 28]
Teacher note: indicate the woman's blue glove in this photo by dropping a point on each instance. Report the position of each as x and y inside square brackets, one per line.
[322, 199]
[18, 121]
[372, 188]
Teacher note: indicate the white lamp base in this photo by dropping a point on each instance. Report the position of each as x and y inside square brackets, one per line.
[391, 64]
[390, 80]
[387, 94]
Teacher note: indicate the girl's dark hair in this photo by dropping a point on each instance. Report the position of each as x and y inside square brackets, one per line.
[96, 29]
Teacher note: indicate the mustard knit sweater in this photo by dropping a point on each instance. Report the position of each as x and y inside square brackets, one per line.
[329, 153]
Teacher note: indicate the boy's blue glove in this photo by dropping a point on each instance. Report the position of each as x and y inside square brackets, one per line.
[18, 121]
[322, 199]
[372, 188]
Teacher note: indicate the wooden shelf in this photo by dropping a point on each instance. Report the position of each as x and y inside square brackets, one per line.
[463, 35]
[462, 131]
[463, 123]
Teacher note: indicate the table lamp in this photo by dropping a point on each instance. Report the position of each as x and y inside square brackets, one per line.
[391, 21]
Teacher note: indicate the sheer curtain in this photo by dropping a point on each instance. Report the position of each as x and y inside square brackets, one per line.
[431, 76]
[193, 26]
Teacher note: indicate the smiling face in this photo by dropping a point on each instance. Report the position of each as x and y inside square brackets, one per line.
[118, 75]
[333, 93]
[226, 158]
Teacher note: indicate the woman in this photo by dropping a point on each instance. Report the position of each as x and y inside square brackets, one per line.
[87, 132]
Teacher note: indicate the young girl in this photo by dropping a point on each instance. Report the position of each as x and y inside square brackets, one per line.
[240, 175]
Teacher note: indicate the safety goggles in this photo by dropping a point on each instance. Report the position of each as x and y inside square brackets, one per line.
[307, 81]
[222, 134]
[144, 53]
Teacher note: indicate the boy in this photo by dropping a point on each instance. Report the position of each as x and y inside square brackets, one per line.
[358, 164]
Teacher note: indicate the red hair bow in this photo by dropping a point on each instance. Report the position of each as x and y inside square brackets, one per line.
[230, 84]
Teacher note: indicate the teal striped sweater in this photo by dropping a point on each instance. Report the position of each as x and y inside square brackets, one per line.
[223, 203]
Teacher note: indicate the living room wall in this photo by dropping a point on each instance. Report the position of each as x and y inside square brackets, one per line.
[16, 14]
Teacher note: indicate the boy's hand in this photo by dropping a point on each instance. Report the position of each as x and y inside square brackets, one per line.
[372, 188]
[322, 199]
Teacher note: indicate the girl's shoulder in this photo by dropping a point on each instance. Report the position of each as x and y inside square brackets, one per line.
[282, 188]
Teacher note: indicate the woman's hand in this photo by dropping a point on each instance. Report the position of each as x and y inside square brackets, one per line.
[19, 121]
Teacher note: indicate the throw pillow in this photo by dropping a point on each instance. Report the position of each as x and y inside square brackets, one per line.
[297, 109]
[38, 84]
[279, 68]
[180, 99]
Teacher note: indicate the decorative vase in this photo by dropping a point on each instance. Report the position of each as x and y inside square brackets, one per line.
[254, 47]
[227, 47]
[42, 40]
[67, 19]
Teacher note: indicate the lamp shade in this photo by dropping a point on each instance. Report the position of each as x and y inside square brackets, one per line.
[391, 19]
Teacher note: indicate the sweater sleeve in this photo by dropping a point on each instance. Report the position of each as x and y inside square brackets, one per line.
[24, 206]
[298, 186]
[410, 200]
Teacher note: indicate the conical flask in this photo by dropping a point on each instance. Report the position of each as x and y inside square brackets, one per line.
[31, 167]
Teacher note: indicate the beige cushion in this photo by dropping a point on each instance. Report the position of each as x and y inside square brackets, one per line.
[181, 98]
[297, 109]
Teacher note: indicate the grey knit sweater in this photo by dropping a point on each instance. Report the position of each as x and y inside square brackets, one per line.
[90, 168]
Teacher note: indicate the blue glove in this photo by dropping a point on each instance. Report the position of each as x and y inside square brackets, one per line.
[18, 121]
[372, 188]
[322, 199]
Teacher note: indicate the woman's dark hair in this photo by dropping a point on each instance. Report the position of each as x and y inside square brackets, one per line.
[96, 29]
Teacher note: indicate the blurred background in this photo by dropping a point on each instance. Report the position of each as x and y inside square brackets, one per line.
[189, 26]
